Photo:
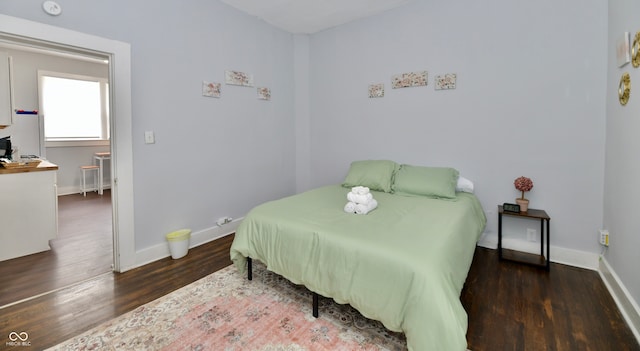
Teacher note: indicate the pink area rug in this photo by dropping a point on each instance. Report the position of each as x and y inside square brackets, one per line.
[225, 311]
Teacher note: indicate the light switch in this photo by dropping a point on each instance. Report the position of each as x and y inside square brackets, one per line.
[149, 138]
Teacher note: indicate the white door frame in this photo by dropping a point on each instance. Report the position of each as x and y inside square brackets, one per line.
[119, 54]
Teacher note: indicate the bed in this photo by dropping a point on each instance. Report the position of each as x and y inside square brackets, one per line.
[403, 263]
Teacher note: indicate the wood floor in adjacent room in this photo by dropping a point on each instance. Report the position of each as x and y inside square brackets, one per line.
[511, 306]
[82, 250]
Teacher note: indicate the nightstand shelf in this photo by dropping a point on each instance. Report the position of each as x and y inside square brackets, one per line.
[541, 260]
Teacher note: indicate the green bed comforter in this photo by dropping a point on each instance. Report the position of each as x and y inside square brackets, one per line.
[403, 264]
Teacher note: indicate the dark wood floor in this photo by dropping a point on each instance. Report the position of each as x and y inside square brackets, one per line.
[511, 306]
[55, 317]
[83, 249]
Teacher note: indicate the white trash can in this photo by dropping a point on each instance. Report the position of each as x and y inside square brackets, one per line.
[179, 243]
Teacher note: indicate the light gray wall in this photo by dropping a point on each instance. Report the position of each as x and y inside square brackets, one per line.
[212, 157]
[529, 101]
[622, 169]
[302, 112]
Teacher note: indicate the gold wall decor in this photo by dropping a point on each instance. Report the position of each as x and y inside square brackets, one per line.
[635, 51]
[624, 89]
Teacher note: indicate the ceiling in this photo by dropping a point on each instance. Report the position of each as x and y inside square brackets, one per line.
[311, 16]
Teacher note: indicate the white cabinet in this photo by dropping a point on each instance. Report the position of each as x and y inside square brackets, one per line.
[28, 213]
[6, 108]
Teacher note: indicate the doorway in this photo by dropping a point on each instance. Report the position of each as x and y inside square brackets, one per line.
[83, 246]
[17, 31]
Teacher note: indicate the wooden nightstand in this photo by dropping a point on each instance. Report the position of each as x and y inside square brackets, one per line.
[541, 260]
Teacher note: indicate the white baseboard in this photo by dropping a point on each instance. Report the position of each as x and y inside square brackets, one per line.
[161, 251]
[581, 259]
[68, 190]
[627, 305]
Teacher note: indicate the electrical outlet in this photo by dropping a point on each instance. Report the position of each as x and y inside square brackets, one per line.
[604, 237]
[532, 234]
[224, 220]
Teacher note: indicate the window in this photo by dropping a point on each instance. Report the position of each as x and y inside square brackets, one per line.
[74, 108]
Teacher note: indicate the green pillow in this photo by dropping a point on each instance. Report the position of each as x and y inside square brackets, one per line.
[374, 174]
[438, 182]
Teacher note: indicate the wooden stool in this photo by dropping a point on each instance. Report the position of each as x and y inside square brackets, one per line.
[84, 170]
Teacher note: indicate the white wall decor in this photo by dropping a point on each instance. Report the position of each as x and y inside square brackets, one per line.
[410, 79]
[238, 78]
[622, 49]
[376, 90]
[211, 89]
[445, 81]
[264, 93]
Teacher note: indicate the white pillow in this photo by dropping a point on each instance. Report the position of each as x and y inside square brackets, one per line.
[464, 185]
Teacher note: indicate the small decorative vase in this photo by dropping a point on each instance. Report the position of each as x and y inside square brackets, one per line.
[524, 204]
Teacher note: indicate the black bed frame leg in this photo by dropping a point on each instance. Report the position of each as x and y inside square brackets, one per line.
[315, 305]
[250, 277]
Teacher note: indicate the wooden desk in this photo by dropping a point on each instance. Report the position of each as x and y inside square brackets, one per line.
[43, 166]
